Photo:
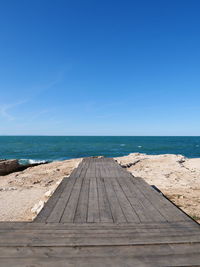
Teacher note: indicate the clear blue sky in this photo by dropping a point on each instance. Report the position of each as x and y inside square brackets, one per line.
[100, 67]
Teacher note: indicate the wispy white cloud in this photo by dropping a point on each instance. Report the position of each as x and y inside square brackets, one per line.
[4, 112]
[5, 109]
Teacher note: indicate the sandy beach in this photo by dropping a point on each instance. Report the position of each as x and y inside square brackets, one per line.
[23, 194]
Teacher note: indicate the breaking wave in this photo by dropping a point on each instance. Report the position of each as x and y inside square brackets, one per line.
[31, 161]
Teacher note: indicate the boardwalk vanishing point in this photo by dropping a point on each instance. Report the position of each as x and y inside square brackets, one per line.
[103, 216]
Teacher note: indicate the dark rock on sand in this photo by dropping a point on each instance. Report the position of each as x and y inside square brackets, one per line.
[8, 166]
[12, 165]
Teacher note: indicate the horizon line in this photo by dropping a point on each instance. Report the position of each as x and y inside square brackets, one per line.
[44, 135]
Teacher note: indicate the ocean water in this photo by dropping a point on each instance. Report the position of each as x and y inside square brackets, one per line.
[50, 148]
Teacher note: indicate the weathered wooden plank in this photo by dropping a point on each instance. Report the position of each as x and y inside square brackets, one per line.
[191, 259]
[24, 225]
[103, 251]
[117, 213]
[66, 252]
[145, 210]
[71, 206]
[45, 212]
[124, 203]
[82, 206]
[99, 231]
[93, 202]
[132, 202]
[116, 210]
[167, 209]
[104, 206]
[57, 212]
[159, 208]
[56, 239]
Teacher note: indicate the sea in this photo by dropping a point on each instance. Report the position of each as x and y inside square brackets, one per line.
[33, 149]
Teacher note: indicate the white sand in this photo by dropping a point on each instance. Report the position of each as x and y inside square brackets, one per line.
[21, 191]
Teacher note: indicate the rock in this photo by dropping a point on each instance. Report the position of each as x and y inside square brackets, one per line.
[11, 188]
[36, 182]
[58, 182]
[7, 188]
[8, 166]
[49, 182]
[48, 193]
[37, 207]
[128, 165]
[12, 165]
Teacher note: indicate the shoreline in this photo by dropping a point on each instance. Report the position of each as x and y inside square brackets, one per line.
[29, 161]
[23, 194]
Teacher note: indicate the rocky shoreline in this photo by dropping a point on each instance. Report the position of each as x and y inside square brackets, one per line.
[23, 193]
[8, 166]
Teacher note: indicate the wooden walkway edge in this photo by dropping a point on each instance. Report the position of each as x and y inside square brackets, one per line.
[103, 216]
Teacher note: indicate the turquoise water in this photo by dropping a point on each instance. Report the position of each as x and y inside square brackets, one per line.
[50, 148]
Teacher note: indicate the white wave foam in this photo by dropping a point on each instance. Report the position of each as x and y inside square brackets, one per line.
[30, 161]
[33, 161]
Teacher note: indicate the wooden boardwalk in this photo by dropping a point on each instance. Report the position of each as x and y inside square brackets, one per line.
[103, 216]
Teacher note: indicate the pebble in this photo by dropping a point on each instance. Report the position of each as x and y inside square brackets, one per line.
[37, 207]
[7, 188]
[48, 193]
